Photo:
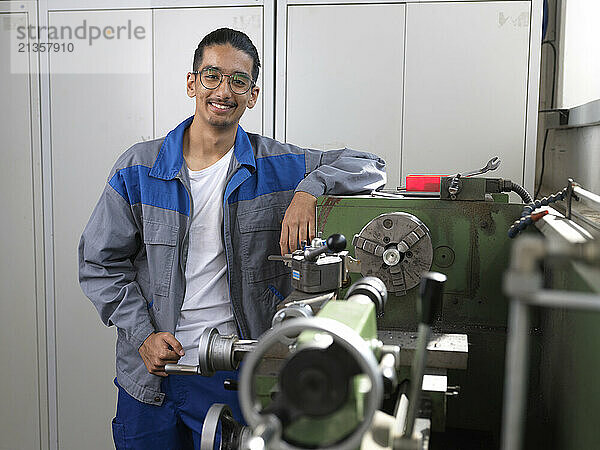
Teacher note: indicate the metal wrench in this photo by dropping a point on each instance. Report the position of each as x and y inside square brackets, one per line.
[491, 165]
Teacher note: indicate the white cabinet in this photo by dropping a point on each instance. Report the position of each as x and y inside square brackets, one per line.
[100, 104]
[177, 33]
[432, 87]
[465, 87]
[103, 97]
[340, 78]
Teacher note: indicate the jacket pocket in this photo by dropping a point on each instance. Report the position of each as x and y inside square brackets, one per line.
[160, 241]
[260, 231]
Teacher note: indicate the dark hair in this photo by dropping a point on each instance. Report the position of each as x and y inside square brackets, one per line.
[236, 39]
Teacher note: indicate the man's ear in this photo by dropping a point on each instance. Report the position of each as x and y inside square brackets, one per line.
[253, 96]
[191, 84]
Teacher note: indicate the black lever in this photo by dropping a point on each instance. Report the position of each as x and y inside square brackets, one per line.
[431, 289]
[335, 243]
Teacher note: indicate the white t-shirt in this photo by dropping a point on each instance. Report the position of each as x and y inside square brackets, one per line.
[206, 302]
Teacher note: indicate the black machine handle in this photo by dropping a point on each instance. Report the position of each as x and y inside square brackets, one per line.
[334, 243]
[431, 289]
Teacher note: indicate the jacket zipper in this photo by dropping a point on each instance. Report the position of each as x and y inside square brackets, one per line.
[239, 323]
[185, 237]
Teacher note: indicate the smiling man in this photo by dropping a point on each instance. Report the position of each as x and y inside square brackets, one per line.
[179, 241]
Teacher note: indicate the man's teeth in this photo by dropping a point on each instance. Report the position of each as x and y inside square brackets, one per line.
[216, 105]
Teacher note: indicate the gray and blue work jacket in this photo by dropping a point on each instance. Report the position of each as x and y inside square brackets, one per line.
[133, 251]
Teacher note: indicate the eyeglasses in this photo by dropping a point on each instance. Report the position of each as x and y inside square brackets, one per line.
[211, 78]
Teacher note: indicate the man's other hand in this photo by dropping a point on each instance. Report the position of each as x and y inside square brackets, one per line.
[299, 222]
[159, 349]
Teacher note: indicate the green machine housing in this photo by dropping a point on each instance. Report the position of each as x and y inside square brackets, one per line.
[465, 240]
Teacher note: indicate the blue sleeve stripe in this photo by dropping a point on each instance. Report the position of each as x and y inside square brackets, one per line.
[136, 186]
[273, 174]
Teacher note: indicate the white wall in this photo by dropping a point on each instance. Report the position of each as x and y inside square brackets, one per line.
[579, 71]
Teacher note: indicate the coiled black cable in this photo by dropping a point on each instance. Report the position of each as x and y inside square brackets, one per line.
[520, 190]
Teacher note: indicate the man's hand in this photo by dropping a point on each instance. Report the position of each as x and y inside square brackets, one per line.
[159, 349]
[299, 222]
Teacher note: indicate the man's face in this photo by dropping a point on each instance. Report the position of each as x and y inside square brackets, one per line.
[221, 107]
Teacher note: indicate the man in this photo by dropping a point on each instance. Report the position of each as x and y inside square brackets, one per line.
[180, 237]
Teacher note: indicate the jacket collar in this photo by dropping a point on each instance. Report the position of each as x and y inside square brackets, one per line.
[169, 161]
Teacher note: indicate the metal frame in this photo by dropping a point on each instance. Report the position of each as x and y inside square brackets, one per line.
[29, 7]
[584, 115]
[575, 191]
[533, 90]
[46, 142]
[523, 282]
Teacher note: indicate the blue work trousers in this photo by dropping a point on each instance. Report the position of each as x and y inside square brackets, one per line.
[177, 423]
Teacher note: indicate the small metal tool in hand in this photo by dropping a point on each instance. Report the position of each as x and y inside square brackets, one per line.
[492, 164]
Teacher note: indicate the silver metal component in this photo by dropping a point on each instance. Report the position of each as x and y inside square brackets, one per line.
[515, 384]
[317, 241]
[348, 339]
[387, 366]
[286, 259]
[575, 191]
[215, 352]
[315, 301]
[351, 264]
[373, 289]
[403, 233]
[391, 256]
[393, 350]
[264, 434]
[492, 164]
[455, 187]
[181, 369]
[446, 351]
[292, 311]
[217, 414]
[590, 196]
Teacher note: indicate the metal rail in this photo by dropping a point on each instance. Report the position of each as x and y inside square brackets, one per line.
[575, 191]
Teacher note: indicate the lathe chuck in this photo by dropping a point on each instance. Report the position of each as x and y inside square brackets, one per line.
[395, 247]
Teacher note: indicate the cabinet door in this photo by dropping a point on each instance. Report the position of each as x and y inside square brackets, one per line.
[177, 33]
[466, 87]
[342, 79]
[101, 103]
[20, 403]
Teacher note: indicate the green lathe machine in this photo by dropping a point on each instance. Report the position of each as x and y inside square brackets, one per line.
[358, 355]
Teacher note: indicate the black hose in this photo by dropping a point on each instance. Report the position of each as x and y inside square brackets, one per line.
[520, 190]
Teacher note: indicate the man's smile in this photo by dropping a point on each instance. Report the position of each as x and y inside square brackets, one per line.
[221, 106]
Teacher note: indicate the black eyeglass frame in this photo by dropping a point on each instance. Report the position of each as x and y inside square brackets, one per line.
[252, 83]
